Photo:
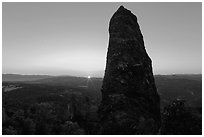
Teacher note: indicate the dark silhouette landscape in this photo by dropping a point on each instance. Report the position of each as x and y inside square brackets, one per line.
[128, 100]
[44, 102]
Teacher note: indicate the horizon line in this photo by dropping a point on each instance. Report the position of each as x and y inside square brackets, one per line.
[90, 76]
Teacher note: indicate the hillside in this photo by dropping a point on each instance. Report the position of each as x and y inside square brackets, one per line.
[52, 97]
[18, 77]
[170, 87]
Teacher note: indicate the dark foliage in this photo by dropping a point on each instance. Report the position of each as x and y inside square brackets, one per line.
[180, 120]
[43, 108]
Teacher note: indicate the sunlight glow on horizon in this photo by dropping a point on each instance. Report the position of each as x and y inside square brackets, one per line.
[73, 39]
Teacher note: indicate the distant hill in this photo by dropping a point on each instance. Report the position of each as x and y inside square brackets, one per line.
[18, 77]
[70, 81]
[182, 76]
[170, 87]
[58, 79]
[188, 87]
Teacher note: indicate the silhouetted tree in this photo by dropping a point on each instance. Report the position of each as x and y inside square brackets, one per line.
[178, 120]
[72, 128]
[9, 131]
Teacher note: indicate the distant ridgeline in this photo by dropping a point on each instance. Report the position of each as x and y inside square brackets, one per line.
[130, 102]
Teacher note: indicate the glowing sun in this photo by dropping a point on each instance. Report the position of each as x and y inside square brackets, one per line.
[89, 77]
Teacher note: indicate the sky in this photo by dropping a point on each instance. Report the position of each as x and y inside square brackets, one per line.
[72, 38]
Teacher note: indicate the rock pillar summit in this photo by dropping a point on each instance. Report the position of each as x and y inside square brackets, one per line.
[130, 103]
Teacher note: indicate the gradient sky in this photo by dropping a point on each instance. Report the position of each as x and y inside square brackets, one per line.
[72, 38]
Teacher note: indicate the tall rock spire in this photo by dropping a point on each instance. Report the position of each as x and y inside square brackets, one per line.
[130, 103]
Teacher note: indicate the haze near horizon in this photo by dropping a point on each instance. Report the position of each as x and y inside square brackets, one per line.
[72, 38]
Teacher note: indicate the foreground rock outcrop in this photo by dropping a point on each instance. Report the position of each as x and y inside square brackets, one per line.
[130, 103]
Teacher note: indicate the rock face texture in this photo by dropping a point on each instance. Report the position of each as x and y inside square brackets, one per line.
[130, 103]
